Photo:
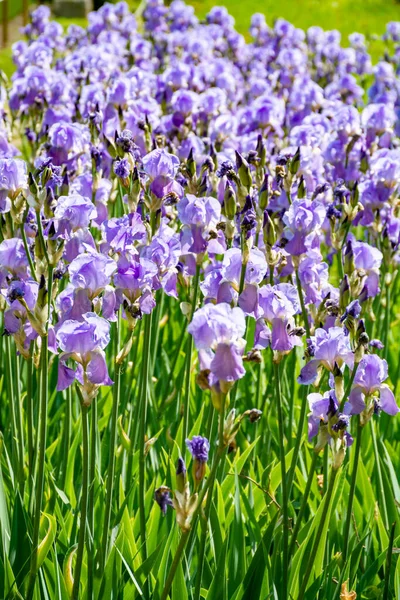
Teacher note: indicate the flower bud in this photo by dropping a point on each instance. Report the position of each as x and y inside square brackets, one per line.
[243, 170]
[263, 195]
[294, 163]
[229, 202]
[180, 474]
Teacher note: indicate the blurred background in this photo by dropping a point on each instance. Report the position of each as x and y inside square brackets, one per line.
[364, 16]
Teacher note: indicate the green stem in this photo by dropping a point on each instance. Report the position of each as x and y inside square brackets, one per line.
[142, 433]
[26, 247]
[20, 425]
[311, 559]
[207, 510]
[92, 473]
[285, 517]
[66, 438]
[352, 490]
[389, 563]
[381, 489]
[348, 387]
[44, 401]
[302, 304]
[84, 502]
[111, 462]
[304, 503]
[41, 237]
[185, 534]
[11, 396]
[29, 412]
[186, 396]
[299, 437]
[39, 484]
[387, 322]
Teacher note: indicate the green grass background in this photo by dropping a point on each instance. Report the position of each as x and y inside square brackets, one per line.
[365, 16]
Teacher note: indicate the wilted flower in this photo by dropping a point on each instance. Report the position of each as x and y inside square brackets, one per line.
[162, 496]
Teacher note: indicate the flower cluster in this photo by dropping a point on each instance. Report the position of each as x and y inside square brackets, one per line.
[248, 188]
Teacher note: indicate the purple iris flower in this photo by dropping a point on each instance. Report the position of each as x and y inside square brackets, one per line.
[161, 167]
[200, 216]
[331, 350]
[135, 280]
[13, 257]
[92, 272]
[303, 222]
[325, 410]
[314, 278]
[13, 179]
[121, 234]
[72, 213]
[218, 332]
[371, 373]
[279, 304]
[67, 141]
[16, 321]
[83, 341]
[198, 447]
[368, 260]
[122, 168]
[164, 250]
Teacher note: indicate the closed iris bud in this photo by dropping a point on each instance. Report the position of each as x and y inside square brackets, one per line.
[294, 164]
[213, 156]
[203, 185]
[261, 151]
[364, 166]
[65, 185]
[191, 164]
[355, 195]
[301, 190]
[33, 187]
[263, 195]
[180, 475]
[269, 230]
[243, 170]
[229, 201]
[112, 151]
[344, 292]
[349, 265]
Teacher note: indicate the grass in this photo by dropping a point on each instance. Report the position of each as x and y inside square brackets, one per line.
[365, 16]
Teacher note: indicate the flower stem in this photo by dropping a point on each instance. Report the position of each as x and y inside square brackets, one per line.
[310, 564]
[299, 437]
[44, 400]
[207, 510]
[381, 490]
[29, 411]
[66, 437]
[16, 452]
[142, 433]
[352, 490]
[285, 517]
[26, 247]
[111, 463]
[302, 304]
[186, 396]
[84, 502]
[304, 503]
[92, 471]
[208, 486]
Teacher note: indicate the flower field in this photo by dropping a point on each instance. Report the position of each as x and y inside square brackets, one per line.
[199, 304]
